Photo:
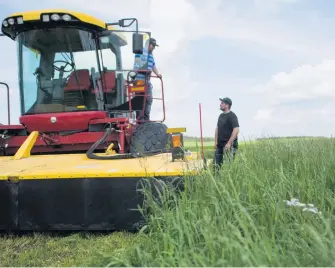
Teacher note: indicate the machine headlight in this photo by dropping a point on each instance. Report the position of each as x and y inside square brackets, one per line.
[5, 23]
[132, 74]
[11, 21]
[55, 17]
[20, 20]
[45, 18]
[66, 17]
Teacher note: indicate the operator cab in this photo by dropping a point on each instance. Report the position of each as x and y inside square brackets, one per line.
[64, 70]
[72, 66]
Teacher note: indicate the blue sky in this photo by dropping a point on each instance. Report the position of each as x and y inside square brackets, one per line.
[274, 58]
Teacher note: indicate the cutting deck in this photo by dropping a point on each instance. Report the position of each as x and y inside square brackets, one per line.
[72, 192]
[79, 166]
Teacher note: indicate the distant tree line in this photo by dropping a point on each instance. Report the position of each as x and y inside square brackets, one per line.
[195, 138]
[198, 138]
[291, 137]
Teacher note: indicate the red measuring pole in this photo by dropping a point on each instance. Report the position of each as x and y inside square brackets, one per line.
[201, 138]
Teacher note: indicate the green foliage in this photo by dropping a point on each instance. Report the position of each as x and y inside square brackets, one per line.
[238, 217]
[78, 249]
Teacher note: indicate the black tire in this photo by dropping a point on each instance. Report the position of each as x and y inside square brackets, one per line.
[149, 137]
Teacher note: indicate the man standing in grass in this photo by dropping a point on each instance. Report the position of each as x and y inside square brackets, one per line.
[226, 132]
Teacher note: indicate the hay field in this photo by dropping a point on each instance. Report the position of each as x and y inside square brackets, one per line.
[237, 217]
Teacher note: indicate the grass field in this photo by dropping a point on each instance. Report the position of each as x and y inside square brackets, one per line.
[237, 217]
[193, 144]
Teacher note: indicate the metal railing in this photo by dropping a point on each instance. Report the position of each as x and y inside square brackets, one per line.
[134, 89]
[8, 101]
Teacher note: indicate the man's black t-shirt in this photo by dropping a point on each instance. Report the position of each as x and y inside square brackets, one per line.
[226, 123]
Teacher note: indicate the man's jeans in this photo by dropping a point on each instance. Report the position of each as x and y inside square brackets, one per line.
[222, 154]
[148, 102]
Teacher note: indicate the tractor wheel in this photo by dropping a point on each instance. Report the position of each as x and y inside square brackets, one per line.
[149, 137]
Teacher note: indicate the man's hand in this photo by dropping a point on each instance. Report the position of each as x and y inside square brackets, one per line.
[159, 75]
[227, 146]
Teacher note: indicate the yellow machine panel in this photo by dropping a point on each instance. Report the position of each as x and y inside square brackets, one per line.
[79, 166]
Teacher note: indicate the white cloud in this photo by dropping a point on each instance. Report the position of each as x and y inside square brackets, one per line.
[301, 102]
[261, 28]
[273, 5]
[263, 114]
[304, 82]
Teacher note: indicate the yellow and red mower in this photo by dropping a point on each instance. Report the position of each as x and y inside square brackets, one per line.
[76, 160]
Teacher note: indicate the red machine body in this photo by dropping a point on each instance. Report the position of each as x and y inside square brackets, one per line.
[71, 132]
[74, 132]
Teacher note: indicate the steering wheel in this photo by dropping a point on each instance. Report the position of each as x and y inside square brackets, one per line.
[62, 68]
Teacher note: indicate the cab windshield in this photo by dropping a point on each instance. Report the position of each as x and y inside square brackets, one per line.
[57, 67]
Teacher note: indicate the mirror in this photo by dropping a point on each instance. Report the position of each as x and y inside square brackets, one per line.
[137, 43]
[122, 22]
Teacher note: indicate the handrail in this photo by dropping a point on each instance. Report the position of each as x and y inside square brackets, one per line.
[130, 94]
[8, 101]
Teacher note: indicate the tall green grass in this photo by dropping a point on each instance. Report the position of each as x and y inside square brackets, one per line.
[238, 217]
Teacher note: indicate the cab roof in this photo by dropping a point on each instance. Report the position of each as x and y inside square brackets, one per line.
[35, 15]
[28, 18]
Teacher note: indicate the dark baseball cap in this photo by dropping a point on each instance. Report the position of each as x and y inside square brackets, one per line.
[226, 100]
[153, 42]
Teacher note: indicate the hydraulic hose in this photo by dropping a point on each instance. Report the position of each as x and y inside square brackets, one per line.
[91, 155]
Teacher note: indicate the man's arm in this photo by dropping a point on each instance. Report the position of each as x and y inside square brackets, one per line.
[236, 130]
[154, 68]
[156, 71]
[216, 137]
[234, 134]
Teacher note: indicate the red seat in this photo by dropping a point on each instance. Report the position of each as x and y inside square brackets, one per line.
[108, 81]
[83, 83]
